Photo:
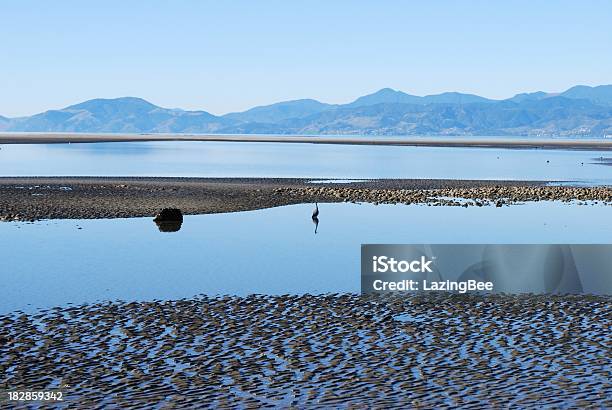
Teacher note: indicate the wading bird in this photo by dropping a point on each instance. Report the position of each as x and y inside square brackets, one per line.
[315, 217]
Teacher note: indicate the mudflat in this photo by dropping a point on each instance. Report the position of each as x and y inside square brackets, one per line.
[493, 142]
[33, 198]
[331, 351]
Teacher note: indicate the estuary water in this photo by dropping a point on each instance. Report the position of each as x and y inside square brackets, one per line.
[238, 159]
[271, 251]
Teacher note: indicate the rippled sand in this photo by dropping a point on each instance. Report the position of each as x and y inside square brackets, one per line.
[321, 351]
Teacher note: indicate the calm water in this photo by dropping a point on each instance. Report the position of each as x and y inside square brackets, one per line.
[272, 251]
[233, 159]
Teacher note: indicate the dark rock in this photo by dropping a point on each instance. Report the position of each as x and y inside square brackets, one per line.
[169, 215]
[169, 220]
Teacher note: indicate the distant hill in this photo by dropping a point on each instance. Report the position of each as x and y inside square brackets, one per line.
[385, 96]
[538, 95]
[454, 98]
[280, 111]
[390, 96]
[127, 114]
[579, 111]
[601, 94]
[556, 116]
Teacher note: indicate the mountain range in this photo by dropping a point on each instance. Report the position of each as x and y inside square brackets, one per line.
[579, 111]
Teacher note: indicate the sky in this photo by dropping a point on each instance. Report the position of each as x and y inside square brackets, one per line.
[225, 56]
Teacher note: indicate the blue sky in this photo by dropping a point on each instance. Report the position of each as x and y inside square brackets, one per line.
[224, 56]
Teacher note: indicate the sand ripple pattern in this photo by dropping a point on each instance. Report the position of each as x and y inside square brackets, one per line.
[331, 351]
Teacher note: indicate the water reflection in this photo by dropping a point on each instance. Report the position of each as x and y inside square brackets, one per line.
[169, 220]
[315, 217]
[270, 251]
[169, 226]
[235, 159]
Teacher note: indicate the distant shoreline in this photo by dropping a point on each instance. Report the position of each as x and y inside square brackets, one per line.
[466, 142]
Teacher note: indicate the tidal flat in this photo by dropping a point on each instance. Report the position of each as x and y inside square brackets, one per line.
[99, 302]
[333, 350]
[29, 199]
[418, 141]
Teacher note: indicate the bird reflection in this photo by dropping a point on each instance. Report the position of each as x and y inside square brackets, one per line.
[315, 217]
